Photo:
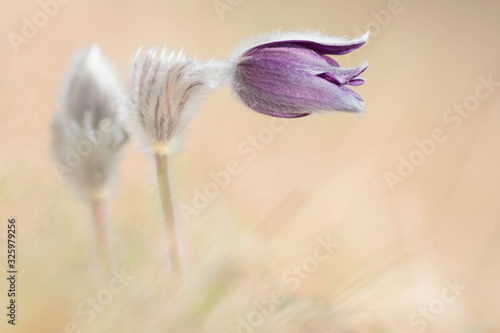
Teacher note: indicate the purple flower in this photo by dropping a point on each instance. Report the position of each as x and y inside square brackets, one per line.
[291, 76]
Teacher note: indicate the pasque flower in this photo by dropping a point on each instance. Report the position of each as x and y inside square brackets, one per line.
[87, 136]
[291, 75]
[88, 139]
[166, 90]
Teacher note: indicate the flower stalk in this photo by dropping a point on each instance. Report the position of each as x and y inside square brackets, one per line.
[86, 126]
[165, 192]
[104, 253]
[165, 93]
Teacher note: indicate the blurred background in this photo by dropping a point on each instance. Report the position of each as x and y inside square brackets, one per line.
[408, 192]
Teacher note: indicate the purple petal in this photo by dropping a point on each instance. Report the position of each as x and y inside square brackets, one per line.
[308, 61]
[298, 58]
[330, 61]
[346, 75]
[316, 47]
[350, 92]
[341, 76]
[330, 77]
[278, 89]
[356, 82]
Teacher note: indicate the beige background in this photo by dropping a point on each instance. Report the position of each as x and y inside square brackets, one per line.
[323, 175]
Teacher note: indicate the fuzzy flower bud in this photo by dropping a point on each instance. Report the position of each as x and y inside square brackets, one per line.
[87, 137]
[166, 90]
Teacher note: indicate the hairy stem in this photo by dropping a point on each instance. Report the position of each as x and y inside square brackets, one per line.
[102, 242]
[168, 213]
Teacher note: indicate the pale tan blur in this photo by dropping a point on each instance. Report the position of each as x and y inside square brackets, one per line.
[405, 230]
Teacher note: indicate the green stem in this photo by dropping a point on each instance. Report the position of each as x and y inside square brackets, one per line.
[168, 213]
